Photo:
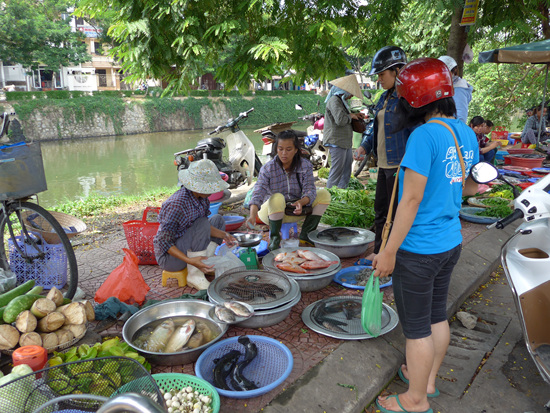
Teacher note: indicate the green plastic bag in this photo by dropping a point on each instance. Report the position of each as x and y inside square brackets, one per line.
[371, 310]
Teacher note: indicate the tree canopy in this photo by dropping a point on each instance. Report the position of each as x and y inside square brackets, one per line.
[34, 33]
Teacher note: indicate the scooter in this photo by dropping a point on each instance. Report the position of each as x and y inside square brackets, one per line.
[243, 163]
[311, 141]
[525, 258]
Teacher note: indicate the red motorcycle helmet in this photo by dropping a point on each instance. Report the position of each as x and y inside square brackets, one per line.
[424, 81]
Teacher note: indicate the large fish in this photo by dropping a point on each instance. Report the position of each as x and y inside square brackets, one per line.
[237, 308]
[238, 380]
[317, 264]
[160, 335]
[224, 366]
[309, 255]
[336, 233]
[180, 337]
[224, 314]
[290, 267]
[282, 256]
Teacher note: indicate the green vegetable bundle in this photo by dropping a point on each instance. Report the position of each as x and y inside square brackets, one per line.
[350, 208]
[500, 211]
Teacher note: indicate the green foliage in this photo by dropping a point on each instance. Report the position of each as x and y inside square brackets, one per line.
[57, 94]
[33, 34]
[158, 108]
[12, 96]
[350, 208]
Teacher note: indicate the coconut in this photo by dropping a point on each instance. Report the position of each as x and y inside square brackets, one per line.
[51, 322]
[25, 322]
[30, 339]
[9, 337]
[75, 313]
[42, 307]
[49, 340]
[55, 295]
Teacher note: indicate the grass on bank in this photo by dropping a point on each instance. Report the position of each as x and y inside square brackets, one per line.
[96, 204]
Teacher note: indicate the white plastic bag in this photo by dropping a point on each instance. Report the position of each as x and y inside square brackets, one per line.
[7, 280]
[223, 263]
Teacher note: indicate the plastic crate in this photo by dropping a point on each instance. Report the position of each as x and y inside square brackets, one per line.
[499, 133]
[47, 265]
[21, 171]
[169, 381]
[139, 236]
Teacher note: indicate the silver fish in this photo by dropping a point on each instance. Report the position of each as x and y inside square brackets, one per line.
[225, 315]
[158, 338]
[237, 308]
[180, 337]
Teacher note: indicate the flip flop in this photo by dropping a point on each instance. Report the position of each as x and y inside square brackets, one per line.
[384, 410]
[363, 261]
[406, 381]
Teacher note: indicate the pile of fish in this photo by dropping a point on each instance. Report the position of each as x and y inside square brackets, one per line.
[169, 337]
[301, 261]
[246, 291]
[324, 314]
[230, 310]
[230, 366]
[334, 234]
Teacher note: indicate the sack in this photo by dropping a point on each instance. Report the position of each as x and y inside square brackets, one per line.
[371, 311]
[358, 125]
[289, 209]
[125, 282]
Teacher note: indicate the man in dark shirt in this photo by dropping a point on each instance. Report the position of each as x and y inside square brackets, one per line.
[185, 230]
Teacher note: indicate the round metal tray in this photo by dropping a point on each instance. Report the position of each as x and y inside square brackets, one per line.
[364, 236]
[469, 214]
[269, 261]
[272, 276]
[352, 330]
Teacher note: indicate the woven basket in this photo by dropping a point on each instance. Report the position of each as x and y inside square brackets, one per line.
[169, 381]
[45, 229]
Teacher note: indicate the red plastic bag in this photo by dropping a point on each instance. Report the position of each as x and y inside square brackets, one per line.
[125, 282]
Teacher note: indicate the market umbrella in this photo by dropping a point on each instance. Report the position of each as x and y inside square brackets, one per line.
[535, 52]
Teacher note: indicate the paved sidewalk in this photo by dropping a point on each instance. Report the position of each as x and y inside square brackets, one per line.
[321, 364]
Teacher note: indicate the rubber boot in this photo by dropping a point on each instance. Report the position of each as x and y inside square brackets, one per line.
[310, 224]
[275, 234]
[195, 277]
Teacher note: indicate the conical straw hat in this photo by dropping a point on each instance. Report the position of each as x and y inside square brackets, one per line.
[349, 84]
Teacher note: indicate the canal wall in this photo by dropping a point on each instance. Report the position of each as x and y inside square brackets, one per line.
[98, 116]
[54, 123]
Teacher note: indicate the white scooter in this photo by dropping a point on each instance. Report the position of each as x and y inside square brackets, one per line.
[526, 261]
[243, 163]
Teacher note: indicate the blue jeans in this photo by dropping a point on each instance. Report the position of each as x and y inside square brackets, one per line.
[488, 156]
[420, 286]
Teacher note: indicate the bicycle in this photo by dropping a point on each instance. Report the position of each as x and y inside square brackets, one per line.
[21, 178]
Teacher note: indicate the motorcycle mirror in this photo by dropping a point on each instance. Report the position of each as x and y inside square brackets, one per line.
[483, 172]
[367, 94]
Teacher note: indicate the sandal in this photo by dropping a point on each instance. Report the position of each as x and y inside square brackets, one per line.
[384, 410]
[406, 381]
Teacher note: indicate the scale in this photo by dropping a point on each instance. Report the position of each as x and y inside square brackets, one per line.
[248, 255]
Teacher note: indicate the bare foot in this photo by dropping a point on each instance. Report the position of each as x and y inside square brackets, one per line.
[402, 403]
[431, 387]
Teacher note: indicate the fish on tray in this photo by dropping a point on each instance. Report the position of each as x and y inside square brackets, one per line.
[335, 234]
[291, 267]
[309, 255]
[180, 337]
[283, 256]
[317, 264]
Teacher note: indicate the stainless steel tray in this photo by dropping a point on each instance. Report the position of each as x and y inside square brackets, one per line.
[364, 236]
[353, 329]
[269, 261]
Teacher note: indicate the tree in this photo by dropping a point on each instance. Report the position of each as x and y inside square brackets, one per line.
[34, 33]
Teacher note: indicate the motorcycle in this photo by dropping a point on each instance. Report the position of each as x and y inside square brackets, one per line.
[243, 162]
[526, 262]
[311, 141]
[368, 111]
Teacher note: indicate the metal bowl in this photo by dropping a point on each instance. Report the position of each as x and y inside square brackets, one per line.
[315, 282]
[165, 309]
[247, 240]
[349, 246]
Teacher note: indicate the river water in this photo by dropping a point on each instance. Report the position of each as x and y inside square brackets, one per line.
[128, 165]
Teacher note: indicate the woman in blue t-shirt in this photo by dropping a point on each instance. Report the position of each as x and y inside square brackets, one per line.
[425, 241]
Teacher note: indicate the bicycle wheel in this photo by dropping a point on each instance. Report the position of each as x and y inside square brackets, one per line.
[361, 166]
[27, 254]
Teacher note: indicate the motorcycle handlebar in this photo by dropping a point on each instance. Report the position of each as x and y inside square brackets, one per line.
[517, 214]
[231, 122]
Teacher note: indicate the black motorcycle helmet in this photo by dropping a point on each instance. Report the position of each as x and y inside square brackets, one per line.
[387, 57]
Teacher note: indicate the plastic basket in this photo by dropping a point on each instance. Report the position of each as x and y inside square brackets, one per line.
[499, 133]
[169, 381]
[45, 263]
[268, 369]
[36, 223]
[139, 236]
[21, 171]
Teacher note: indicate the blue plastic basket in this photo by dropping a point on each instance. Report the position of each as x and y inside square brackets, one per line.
[214, 208]
[346, 277]
[268, 370]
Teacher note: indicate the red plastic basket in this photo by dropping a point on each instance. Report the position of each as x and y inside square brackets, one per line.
[140, 234]
[499, 133]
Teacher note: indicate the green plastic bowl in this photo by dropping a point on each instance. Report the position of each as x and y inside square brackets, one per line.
[169, 381]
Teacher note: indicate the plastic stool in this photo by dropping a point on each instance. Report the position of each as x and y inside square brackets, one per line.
[285, 230]
[181, 276]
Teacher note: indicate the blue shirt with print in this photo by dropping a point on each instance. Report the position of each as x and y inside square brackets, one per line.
[431, 152]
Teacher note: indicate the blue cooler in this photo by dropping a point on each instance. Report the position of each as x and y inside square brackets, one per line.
[500, 155]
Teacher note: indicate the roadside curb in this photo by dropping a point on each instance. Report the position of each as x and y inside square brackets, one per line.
[352, 376]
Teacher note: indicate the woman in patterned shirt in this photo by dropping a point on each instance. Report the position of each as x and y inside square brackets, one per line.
[287, 179]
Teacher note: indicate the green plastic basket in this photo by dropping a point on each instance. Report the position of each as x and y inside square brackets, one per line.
[169, 381]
